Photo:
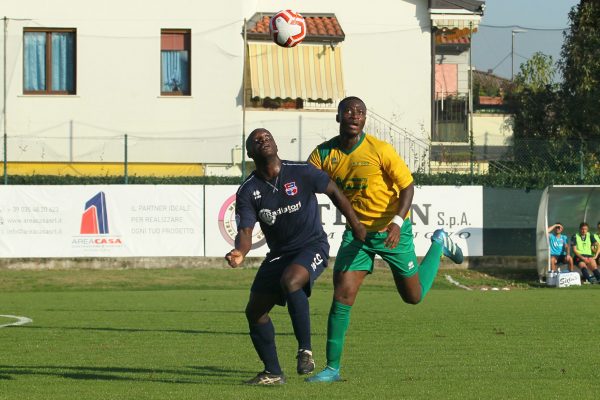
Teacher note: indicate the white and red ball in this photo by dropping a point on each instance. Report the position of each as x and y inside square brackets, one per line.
[287, 28]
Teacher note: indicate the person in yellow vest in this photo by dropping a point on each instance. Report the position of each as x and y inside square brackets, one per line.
[597, 239]
[583, 243]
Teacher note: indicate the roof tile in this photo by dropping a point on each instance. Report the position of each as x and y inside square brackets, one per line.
[319, 27]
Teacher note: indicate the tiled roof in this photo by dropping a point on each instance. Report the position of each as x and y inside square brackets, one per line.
[452, 36]
[491, 100]
[319, 27]
[442, 39]
[498, 80]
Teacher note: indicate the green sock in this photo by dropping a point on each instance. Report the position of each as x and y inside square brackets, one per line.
[429, 268]
[337, 325]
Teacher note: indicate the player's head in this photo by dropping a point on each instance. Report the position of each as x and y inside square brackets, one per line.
[351, 115]
[260, 144]
[583, 228]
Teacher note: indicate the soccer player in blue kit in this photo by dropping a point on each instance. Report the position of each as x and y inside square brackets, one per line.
[281, 196]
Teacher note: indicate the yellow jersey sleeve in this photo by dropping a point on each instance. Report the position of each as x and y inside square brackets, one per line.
[315, 158]
[395, 167]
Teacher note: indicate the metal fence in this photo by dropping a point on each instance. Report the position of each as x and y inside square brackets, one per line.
[412, 148]
[578, 158]
[558, 156]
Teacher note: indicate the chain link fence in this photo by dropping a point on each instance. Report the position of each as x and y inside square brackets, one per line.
[577, 159]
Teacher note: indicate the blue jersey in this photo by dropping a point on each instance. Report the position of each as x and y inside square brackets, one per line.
[286, 207]
[558, 244]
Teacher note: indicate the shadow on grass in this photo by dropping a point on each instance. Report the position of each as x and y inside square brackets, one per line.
[148, 311]
[134, 330]
[206, 374]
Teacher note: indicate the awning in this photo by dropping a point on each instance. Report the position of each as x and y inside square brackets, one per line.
[306, 71]
[451, 21]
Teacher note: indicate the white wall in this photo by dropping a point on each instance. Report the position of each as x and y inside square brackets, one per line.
[492, 129]
[386, 62]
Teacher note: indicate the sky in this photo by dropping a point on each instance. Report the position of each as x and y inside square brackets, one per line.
[543, 20]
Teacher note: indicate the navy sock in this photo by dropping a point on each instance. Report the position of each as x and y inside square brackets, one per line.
[298, 308]
[585, 274]
[263, 339]
[597, 274]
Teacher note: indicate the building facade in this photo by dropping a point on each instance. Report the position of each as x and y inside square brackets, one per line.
[174, 89]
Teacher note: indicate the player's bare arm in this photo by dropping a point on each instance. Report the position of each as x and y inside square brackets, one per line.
[243, 243]
[577, 253]
[393, 229]
[551, 228]
[341, 202]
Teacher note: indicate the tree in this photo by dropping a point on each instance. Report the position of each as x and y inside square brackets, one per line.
[533, 99]
[580, 68]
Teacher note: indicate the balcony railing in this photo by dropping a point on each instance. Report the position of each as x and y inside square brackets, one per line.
[450, 118]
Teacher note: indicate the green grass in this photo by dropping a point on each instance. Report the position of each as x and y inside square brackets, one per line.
[181, 334]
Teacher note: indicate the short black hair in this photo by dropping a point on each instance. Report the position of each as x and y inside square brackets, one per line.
[347, 99]
[581, 225]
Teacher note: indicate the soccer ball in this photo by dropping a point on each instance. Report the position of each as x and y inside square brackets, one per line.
[287, 28]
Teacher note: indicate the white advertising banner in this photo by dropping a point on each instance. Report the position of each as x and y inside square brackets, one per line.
[219, 219]
[459, 210]
[101, 221]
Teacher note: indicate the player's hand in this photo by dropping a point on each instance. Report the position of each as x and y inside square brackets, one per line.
[234, 258]
[359, 232]
[393, 237]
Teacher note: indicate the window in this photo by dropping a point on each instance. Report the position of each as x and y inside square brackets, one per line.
[49, 61]
[175, 62]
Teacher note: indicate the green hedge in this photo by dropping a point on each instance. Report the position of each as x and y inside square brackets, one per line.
[116, 180]
[523, 180]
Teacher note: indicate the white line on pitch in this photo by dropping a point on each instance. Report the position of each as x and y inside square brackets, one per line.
[456, 283]
[20, 320]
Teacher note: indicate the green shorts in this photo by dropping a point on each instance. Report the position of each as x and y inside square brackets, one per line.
[354, 255]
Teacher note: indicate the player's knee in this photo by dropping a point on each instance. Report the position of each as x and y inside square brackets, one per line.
[345, 296]
[291, 283]
[255, 317]
[412, 299]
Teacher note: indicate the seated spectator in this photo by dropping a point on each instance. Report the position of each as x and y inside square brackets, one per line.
[597, 238]
[585, 257]
[559, 247]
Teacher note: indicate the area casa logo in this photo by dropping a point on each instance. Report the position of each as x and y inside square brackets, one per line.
[94, 231]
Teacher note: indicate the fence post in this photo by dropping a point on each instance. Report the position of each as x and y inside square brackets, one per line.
[125, 166]
[300, 138]
[581, 169]
[5, 152]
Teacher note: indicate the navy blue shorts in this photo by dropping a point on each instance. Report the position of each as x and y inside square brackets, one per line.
[313, 258]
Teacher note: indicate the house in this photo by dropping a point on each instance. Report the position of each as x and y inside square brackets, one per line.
[174, 89]
[469, 129]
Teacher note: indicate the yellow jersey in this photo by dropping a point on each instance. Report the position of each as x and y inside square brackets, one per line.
[371, 175]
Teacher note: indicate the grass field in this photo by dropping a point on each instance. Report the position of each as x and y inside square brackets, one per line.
[181, 334]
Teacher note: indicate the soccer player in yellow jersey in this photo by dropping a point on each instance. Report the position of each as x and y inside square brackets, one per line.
[380, 188]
